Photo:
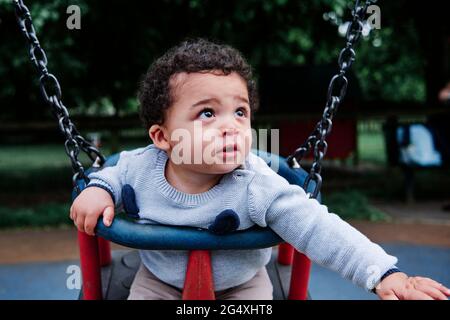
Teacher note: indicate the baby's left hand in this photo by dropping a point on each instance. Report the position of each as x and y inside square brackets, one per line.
[398, 286]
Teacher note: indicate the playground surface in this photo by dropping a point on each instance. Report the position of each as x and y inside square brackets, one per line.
[36, 264]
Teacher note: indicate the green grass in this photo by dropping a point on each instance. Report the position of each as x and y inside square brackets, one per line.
[27, 158]
[38, 168]
[353, 205]
[49, 214]
[31, 174]
[371, 147]
[34, 157]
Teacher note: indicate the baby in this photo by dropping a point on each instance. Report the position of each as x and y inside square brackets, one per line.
[197, 102]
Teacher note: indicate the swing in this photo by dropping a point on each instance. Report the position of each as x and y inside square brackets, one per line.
[107, 276]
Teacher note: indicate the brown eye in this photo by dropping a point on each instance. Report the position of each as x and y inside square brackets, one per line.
[240, 112]
[206, 113]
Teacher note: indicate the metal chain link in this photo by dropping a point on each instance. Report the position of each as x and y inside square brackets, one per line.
[336, 93]
[51, 93]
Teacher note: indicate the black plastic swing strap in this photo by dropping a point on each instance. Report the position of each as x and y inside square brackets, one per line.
[51, 93]
[336, 93]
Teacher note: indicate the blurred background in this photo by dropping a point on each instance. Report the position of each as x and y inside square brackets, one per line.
[387, 165]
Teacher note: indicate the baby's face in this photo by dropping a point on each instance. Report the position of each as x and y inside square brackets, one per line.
[209, 122]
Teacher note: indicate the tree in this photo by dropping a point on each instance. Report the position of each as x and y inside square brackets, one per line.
[99, 66]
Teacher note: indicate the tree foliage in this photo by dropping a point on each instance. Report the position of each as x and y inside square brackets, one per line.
[100, 65]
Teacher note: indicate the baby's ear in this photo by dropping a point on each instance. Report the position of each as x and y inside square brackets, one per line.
[158, 136]
[226, 222]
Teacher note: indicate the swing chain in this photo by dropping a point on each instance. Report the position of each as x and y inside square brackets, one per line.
[51, 93]
[337, 89]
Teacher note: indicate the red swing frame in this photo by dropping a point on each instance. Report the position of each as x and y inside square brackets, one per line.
[95, 253]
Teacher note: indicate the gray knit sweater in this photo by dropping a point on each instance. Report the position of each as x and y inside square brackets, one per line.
[258, 196]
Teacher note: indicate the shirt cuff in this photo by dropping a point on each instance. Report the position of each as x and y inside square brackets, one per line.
[392, 270]
[104, 186]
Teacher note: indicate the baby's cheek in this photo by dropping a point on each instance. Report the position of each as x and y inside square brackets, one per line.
[200, 148]
[246, 141]
[209, 150]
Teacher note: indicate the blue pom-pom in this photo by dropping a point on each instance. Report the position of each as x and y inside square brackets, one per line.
[226, 222]
[129, 201]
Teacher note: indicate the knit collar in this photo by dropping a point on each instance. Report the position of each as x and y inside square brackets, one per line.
[166, 189]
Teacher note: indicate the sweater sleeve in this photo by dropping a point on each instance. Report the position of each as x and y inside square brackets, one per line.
[112, 178]
[322, 236]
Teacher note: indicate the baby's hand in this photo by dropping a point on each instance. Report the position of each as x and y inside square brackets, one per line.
[88, 206]
[398, 286]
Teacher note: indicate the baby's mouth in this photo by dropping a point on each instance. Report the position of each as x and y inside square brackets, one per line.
[230, 148]
[229, 151]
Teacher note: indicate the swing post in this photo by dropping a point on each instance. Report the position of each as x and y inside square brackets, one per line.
[90, 266]
[285, 254]
[301, 267]
[104, 248]
[198, 284]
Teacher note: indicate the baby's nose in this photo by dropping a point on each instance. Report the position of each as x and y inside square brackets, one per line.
[229, 131]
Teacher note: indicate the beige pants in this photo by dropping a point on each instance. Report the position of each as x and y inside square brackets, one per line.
[146, 286]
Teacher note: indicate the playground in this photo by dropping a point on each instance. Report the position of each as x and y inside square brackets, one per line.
[366, 137]
[38, 267]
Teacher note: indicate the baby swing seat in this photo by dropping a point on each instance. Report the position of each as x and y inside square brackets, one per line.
[117, 272]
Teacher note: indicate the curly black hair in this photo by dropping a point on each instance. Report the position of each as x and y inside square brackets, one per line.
[193, 55]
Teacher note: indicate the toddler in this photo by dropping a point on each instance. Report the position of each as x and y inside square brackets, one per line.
[197, 102]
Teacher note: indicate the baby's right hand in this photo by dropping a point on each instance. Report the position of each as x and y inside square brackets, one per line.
[91, 203]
